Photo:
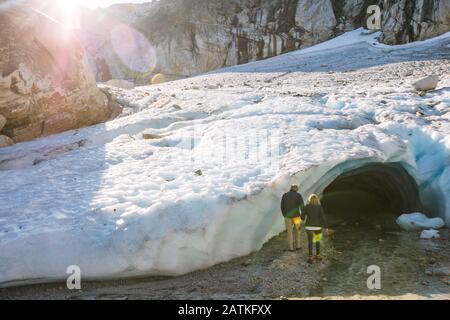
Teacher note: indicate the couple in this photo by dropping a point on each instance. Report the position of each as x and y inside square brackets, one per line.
[294, 211]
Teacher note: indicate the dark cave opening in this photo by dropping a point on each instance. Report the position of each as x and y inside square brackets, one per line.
[374, 194]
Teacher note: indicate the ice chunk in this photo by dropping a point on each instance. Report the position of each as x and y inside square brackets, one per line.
[429, 234]
[419, 221]
[335, 103]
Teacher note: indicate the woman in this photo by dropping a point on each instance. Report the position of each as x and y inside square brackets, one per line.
[315, 222]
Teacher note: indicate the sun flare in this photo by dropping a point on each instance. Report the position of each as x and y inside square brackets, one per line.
[68, 12]
[85, 3]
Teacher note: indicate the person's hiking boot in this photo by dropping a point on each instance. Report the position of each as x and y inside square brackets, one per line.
[310, 259]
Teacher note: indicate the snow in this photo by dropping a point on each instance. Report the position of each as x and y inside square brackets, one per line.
[347, 39]
[118, 205]
[419, 221]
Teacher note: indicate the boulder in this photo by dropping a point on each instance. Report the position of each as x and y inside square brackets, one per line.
[113, 104]
[46, 85]
[5, 141]
[2, 122]
[426, 84]
[151, 136]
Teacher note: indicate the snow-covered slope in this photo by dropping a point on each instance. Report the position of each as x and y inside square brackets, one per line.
[117, 205]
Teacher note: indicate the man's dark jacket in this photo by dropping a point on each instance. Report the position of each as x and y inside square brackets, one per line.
[291, 204]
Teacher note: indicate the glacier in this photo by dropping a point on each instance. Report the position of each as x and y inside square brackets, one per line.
[418, 221]
[118, 205]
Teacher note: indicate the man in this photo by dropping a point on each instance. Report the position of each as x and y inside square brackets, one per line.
[291, 206]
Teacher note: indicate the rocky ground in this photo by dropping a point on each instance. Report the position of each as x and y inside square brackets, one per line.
[411, 268]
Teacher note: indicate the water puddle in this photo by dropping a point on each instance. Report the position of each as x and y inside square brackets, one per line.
[401, 257]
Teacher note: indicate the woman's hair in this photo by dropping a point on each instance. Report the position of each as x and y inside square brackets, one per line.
[314, 200]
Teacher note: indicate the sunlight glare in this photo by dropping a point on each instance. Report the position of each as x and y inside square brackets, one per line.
[70, 10]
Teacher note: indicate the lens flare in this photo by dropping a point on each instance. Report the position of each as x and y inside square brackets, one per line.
[133, 49]
[158, 78]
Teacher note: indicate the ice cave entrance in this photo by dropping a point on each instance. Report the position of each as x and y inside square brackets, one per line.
[374, 193]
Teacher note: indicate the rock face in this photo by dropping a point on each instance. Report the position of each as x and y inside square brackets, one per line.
[46, 86]
[2, 122]
[5, 141]
[180, 38]
[406, 20]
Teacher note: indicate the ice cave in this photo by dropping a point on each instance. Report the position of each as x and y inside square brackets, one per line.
[372, 189]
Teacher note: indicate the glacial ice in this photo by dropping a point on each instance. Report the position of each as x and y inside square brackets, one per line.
[429, 234]
[118, 205]
[419, 221]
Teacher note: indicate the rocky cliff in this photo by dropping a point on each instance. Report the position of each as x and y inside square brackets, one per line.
[181, 38]
[46, 85]
[406, 20]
